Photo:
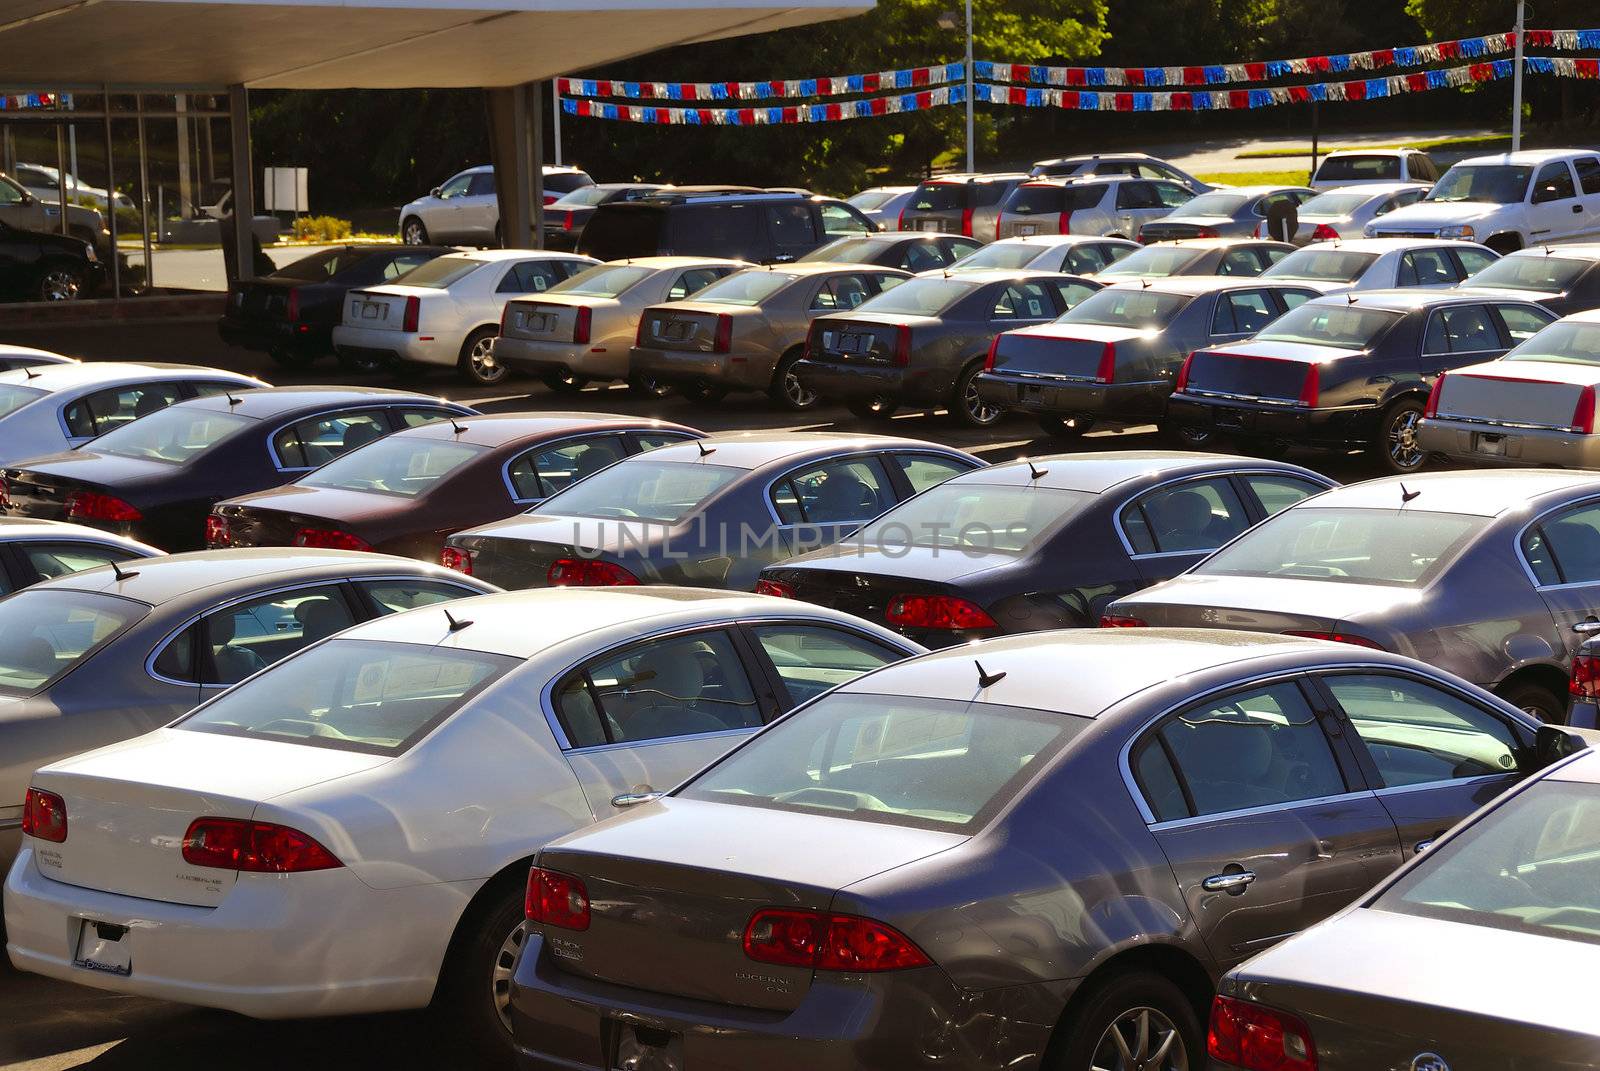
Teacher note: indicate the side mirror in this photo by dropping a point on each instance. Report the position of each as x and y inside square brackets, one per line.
[1552, 743]
[434, 192]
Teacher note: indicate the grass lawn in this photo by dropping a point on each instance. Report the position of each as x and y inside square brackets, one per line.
[1463, 142]
[1255, 178]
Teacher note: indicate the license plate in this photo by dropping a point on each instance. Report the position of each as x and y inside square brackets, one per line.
[642, 1048]
[1027, 228]
[675, 330]
[930, 225]
[372, 310]
[1491, 445]
[852, 344]
[103, 947]
[538, 321]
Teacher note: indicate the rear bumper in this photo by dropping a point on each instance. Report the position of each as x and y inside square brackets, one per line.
[266, 335]
[1056, 397]
[863, 382]
[540, 355]
[397, 345]
[1492, 444]
[753, 370]
[1352, 427]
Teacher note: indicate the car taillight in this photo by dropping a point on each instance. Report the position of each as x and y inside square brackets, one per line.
[638, 332]
[1324, 233]
[294, 303]
[1261, 229]
[1181, 384]
[550, 199]
[988, 362]
[828, 942]
[900, 220]
[1583, 413]
[566, 224]
[1431, 410]
[457, 559]
[93, 506]
[413, 313]
[1118, 621]
[942, 612]
[1311, 388]
[217, 533]
[902, 346]
[556, 899]
[966, 222]
[775, 587]
[1064, 224]
[44, 815]
[1107, 372]
[253, 847]
[1206, 232]
[1336, 637]
[1258, 1038]
[722, 342]
[588, 573]
[329, 539]
[1585, 678]
[505, 316]
[582, 323]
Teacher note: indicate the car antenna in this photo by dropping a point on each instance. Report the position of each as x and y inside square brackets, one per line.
[1407, 496]
[459, 427]
[985, 678]
[233, 399]
[123, 574]
[1144, 284]
[1035, 469]
[455, 625]
[1349, 299]
[705, 451]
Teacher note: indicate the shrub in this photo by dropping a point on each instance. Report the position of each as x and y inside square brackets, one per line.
[321, 229]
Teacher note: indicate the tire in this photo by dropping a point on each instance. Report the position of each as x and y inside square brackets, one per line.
[60, 282]
[477, 365]
[1072, 428]
[365, 364]
[647, 387]
[1540, 702]
[474, 983]
[873, 408]
[412, 232]
[966, 408]
[1396, 443]
[1117, 1004]
[288, 357]
[1189, 438]
[786, 391]
[703, 393]
[564, 382]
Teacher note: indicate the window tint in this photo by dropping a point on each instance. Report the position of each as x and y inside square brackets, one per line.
[542, 472]
[402, 593]
[1463, 329]
[1242, 312]
[1071, 293]
[317, 441]
[1522, 323]
[791, 224]
[1255, 749]
[416, 417]
[58, 559]
[44, 633]
[725, 229]
[176, 661]
[252, 635]
[922, 256]
[1426, 267]
[812, 658]
[532, 277]
[1588, 173]
[1358, 546]
[1417, 734]
[837, 220]
[1170, 194]
[1374, 168]
[1569, 545]
[677, 686]
[1023, 301]
[692, 281]
[1554, 183]
[987, 194]
[102, 411]
[841, 292]
[923, 471]
[1152, 768]
[481, 185]
[833, 493]
[1240, 262]
[1085, 258]
[960, 247]
[401, 263]
[1197, 515]
[1279, 492]
[1137, 195]
[1472, 261]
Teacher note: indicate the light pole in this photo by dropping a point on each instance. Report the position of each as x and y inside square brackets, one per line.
[1516, 83]
[947, 21]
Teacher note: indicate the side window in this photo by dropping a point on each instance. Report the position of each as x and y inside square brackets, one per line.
[1152, 768]
[1566, 550]
[729, 229]
[812, 658]
[1295, 298]
[456, 187]
[1554, 183]
[791, 224]
[1256, 748]
[531, 277]
[989, 194]
[960, 247]
[1270, 256]
[543, 471]
[319, 440]
[1172, 195]
[51, 560]
[1472, 261]
[1085, 259]
[402, 594]
[210, 388]
[923, 471]
[1588, 173]
[693, 280]
[1426, 267]
[481, 185]
[1240, 262]
[98, 413]
[416, 417]
[1137, 195]
[655, 440]
[1023, 301]
[1522, 322]
[1114, 253]
[1242, 312]
[837, 221]
[1071, 293]
[1417, 734]
[176, 661]
[840, 292]
[922, 256]
[402, 263]
[241, 639]
[1462, 329]
[1279, 492]
[836, 492]
[1197, 515]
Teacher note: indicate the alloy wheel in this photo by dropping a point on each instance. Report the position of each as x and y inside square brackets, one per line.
[1405, 453]
[795, 392]
[500, 977]
[414, 234]
[59, 284]
[1140, 1039]
[480, 359]
[977, 411]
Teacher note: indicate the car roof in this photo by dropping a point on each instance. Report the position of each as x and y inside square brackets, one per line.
[1387, 150]
[1053, 240]
[1527, 156]
[549, 169]
[1253, 191]
[668, 263]
[1219, 243]
[1474, 492]
[1587, 316]
[59, 377]
[977, 176]
[1372, 190]
[890, 237]
[264, 403]
[810, 267]
[38, 527]
[981, 276]
[1384, 245]
[495, 255]
[754, 449]
[1400, 299]
[1084, 158]
[1583, 767]
[1574, 250]
[1198, 284]
[1098, 472]
[500, 429]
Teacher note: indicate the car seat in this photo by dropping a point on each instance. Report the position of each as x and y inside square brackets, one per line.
[320, 618]
[232, 664]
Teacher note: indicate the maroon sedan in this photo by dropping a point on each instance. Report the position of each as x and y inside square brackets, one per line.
[405, 493]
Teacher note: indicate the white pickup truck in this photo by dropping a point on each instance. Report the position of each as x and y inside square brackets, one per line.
[1507, 201]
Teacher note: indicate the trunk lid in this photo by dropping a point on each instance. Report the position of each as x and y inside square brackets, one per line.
[549, 319]
[262, 299]
[1259, 604]
[862, 580]
[872, 338]
[271, 518]
[378, 309]
[1190, 227]
[42, 489]
[684, 326]
[672, 890]
[129, 805]
[518, 553]
[1271, 371]
[1542, 394]
[1060, 350]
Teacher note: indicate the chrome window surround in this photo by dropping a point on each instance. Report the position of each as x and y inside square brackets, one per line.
[1590, 502]
[419, 403]
[1127, 544]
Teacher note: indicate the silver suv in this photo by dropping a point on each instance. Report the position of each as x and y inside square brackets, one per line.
[1132, 164]
[466, 211]
[1114, 208]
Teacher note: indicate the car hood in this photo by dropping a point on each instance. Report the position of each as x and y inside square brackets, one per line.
[1581, 375]
[1436, 212]
[1214, 601]
[927, 564]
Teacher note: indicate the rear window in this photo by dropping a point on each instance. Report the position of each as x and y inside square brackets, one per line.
[1000, 256]
[352, 695]
[618, 230]
[867, 200]
[939, 197]
[1334, 204]
[919, 297]
[44, 633]
[1127, 308]
[1214, 204]
[173, 435]
[746, 287]
[927, 763]
[584, 197]
[1541, 273]
[1156, 261]
[642, 490]
[1322, 265]
[1360, 168]
[567, 181]
[13, 398]
[1344, 326]
[1050, 200]
[1561, 343]
[976, 517]
[320, 266]
[846, 251]
[443, 272]
[603, 280]
[1350, 546]
[401, 466]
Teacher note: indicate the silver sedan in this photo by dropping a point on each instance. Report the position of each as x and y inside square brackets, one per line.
[1345, 211]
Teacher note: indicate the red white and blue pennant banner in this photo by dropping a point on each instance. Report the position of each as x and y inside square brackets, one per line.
[794, 88]
[19, 101]
[804, 113]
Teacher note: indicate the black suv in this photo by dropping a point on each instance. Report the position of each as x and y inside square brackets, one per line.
[740, 223]
[35, 266]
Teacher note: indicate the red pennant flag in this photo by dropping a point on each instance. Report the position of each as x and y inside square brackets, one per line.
[870, 82]
[880, 105]
[1124, 102]
[1417, 83]
[1069, 98]
[1134, 76]
[747, 117]
[1239, 98]
[1076, 77]
[1182, 102]
[1017, 94]
[1383, 57]
[919, 76]
[1355, 91]
[1255, 71]
[1194, 76]
[1587, 68]
[1449, 49]
[924, 100]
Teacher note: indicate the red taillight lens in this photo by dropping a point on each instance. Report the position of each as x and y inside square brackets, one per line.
[723, 341]
[329, 539]
[253, 847]
[1583, 412]
[1205, 232]
[457, 559]
[550, 199]
[1337, 637]
[1181, 384]
[44, 815]
[93, 506]
[556, 899]
[638, 333]
[1324, 233]
[1431, 410]
[966, 222]
[566, 224]
[1258, 1038]
[775, 587]
[217, 533]
[1117, 621]
[1261, 229]
[902, 346]
[413, 313]
[944, 612]
[827, 942]
[1311, 388]
[1064, 224]
[1107, 372]
[582, 323]
[988, 362]
[588, 573]
[1585, 678]
[900, 220]
[294, 304]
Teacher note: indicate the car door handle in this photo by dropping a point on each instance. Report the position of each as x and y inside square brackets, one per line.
[1231, 882]
[633, 799]
[1586, 627]
[1422, 846]
[1577, 209]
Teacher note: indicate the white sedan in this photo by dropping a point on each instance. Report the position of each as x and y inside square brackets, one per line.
[13, 357]
[1074, 254]
[1335, 267]
[350, 830]
[446, 312]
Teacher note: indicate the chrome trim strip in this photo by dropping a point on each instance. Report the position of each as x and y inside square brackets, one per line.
[1246, 812]
[1398, 790]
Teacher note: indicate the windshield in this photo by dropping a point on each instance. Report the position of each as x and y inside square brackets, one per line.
[440, 273]
[1377, 167]
[1155, 261]
[1334, 204]
[749, 287]
[642, 489]
[1214, 204]
[603, 280]
[867, 200]
[320, 266]
[586, 197]
[173, 435]
[1354, 546]
[1145, 309]
[394, 466]
[1001, 256]
[926, 763]
[919, 297]
[13, 397]
[1031, 200]
[1561, 343]
[1500, 184]
[1543, 273]
[1344, 326]
[353, 695]
[1322, 265]
[846, 251]
[972, 517]
[44, 633]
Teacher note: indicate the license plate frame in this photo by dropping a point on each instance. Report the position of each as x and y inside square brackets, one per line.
[850, 343]
[538, 321]
[1489, 445]
[1026, 230]
[929, 225]
[373, 310]
[643, 1048]
[103, 947]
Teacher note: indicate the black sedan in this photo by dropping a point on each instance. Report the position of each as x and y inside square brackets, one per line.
[35, 266]
[1563, 278]
[908, 250]
[1114, 357]
[1348, 372]
[924, 342]
[1041, 543]
[291, 313]
[156, 478]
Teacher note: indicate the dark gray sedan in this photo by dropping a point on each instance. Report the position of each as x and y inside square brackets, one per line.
[707, 514]
[1032, 852]
[1233, 211]
[1563, 278]
[896, 249]
[923, 343]
[1492, 575]
[1247, 257]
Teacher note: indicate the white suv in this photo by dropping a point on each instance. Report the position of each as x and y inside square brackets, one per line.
[1506, 201]
[1357, 167]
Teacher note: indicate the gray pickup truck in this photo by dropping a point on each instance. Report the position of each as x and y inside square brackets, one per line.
[24, 211]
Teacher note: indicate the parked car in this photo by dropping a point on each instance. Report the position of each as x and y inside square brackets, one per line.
[1344, 211]
[1363, 167]
[564, 220]
[1534, 406]
[582, 328]
[882, 204]
[405, 493]
[1496, 908]
[1115, 356]
[923, 344]
[48, 408]
[1247, 257]
[1506, 201]
[40, 266]
[1040, 543]
[711, 513]
[907, 251]
[1074, 254]
[1458, 569]
[1350, 372]
[1114, 208]
[748, 331]
[959, 204]
[1134, 164]
[28, 211]
[32, 550]
[865, 875]
[457, 300]
[1231, 212]
[291, 313]
[377, 757]
[13, 357]
[155, 479]
[44, 182]
[1339, 266]
[1564, 279]
[465, 210]
[739, 223]
[102, 655]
